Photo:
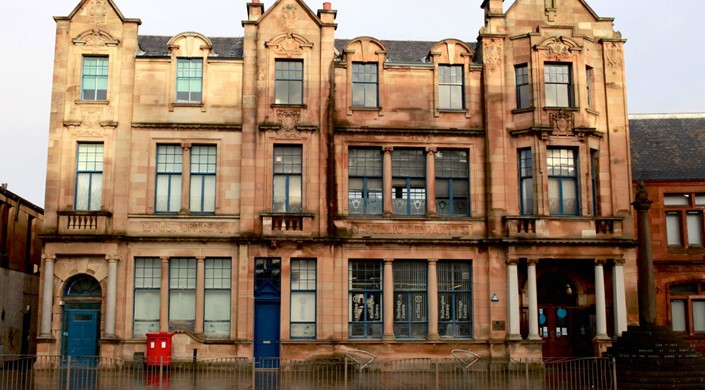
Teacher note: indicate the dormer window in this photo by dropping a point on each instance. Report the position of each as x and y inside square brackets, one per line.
[189, 80]
[364, 85]
[94, 79]
[288, 82]
[450, 87]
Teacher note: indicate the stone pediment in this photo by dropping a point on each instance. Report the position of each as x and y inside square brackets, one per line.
[289, 45]
[558, 48]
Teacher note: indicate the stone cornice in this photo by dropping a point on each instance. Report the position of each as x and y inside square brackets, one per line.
[414, 131]
[188, 126]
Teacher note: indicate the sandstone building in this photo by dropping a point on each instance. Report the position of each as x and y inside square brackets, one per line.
[288, 193]
[667, 155]
[20, 258]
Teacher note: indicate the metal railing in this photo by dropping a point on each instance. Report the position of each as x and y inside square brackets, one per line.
[356, 370]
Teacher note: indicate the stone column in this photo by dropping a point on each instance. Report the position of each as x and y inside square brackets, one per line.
[388, 291]
[47, 296]
[387, 179]
[200, 294]
[513, 299]
[111, 296]
[533, 301]
[431, 181]
[600, 303]
[645, 262]
[619, 297]
[185, 177]
[433, 299]
[164, 296]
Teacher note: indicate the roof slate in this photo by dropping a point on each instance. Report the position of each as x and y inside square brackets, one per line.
[668, 148]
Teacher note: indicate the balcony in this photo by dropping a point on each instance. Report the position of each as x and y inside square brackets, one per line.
[531, 226]
[84, 222]
[287, 224]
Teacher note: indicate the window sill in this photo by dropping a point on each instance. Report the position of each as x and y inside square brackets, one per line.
[187, 104]
[555, 108]
[92, 102]
[453, 110]
[591, 111]
[275, 105]
[523, 110]
[356, 108]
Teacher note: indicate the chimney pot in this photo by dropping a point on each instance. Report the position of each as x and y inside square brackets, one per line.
[326, 5]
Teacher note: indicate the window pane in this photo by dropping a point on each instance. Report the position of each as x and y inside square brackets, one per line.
[678, 316]
[217, 305]
[676, 200]
[279, 194]
[699, 316]
[147, 304]
[96, 191]
[695, 226]
[303, 306]
[673, 229]
[82, 191]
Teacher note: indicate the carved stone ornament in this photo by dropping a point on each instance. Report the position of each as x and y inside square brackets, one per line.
[562, 122]
[96, 39]
[98, 12]
[492, 53]
[288, 121]
[289, 47]
[558, 49]
[615, 56]
[290, 15]
[91, 117]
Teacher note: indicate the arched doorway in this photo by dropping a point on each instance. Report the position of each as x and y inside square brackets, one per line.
[81, 316]
[558, 315]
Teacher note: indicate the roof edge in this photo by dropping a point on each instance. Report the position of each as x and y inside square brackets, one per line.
[682, 115]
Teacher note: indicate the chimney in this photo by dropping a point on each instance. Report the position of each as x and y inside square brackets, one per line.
[327, 14]
[255, 9]
[492, 7]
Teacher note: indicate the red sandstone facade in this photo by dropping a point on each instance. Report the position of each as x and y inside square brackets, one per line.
[292, 194]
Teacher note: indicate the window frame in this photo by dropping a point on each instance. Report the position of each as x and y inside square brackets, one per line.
[214, 283]
[98, 75]
[203, 174]
[140, 284]
[522, 80]
[287, 171]
[452, 306]
[589, 82]
[561, 179]
[180, 282]
[697, 295]
[410, 293]
[448, 80]
[310, 287]
[288, 77]
[455, 172]
[363, 78]
[526, 179]
[409, 176]
[360, 294]
[367, 173]
[551, 83]
[185, 74]
[683, 208]
[94, 176]
[173, 194]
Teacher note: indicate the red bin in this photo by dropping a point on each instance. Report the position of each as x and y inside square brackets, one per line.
[158, 349]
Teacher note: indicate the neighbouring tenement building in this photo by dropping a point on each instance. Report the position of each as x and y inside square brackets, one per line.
[286, 193]
[20, 258]
[668, 152]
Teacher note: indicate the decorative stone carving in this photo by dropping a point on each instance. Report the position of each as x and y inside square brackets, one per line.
[98, 12]
[562, 122]
[91, 117]
[289, 47]
[290, 15]
[492, 53]
[558, 48]
[615, 56]
[288, 120]
[96, 39]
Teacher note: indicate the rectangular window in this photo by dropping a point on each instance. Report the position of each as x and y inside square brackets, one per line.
[189, 80]
[365, 181]
[286, 197]
[450, 87]
[595, 184]
[698, 316]
[559, 85]
[303, 298]
[408, 182]
[673, 228]
[523, 87]
[89, 177]
[216, 310]
[676, 200]
[364, 85]
[454, 299]
[679, 317]
[526, 182]
[203, 166]
[182, 293]
[452, 182]
[288, 82]
[365, 299]
[588, 85]
[94, 79]
[168, 186]
[410, 299]
[694, 222]
[148, 276]
[562, 182]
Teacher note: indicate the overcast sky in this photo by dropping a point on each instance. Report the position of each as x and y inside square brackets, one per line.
[664, 65]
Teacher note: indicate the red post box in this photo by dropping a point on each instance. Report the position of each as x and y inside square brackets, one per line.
[158, 349]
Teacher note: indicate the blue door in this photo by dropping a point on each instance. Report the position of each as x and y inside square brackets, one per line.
[81, 333]
[267, 307]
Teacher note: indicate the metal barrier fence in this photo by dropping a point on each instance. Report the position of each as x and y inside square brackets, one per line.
[350, 372]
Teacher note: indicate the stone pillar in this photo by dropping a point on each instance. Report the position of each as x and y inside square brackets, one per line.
[619, 297]
[533, 301]
[47, 296]
[164, 296]
[513, 299]
[600, 303]
[111, 296]
[185, 177]
[645, 262]
[430, 181]
[388, 300]
[433, 299]
[387, 179]
[200, 294]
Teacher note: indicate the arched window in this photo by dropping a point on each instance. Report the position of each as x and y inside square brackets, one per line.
[82, 286]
